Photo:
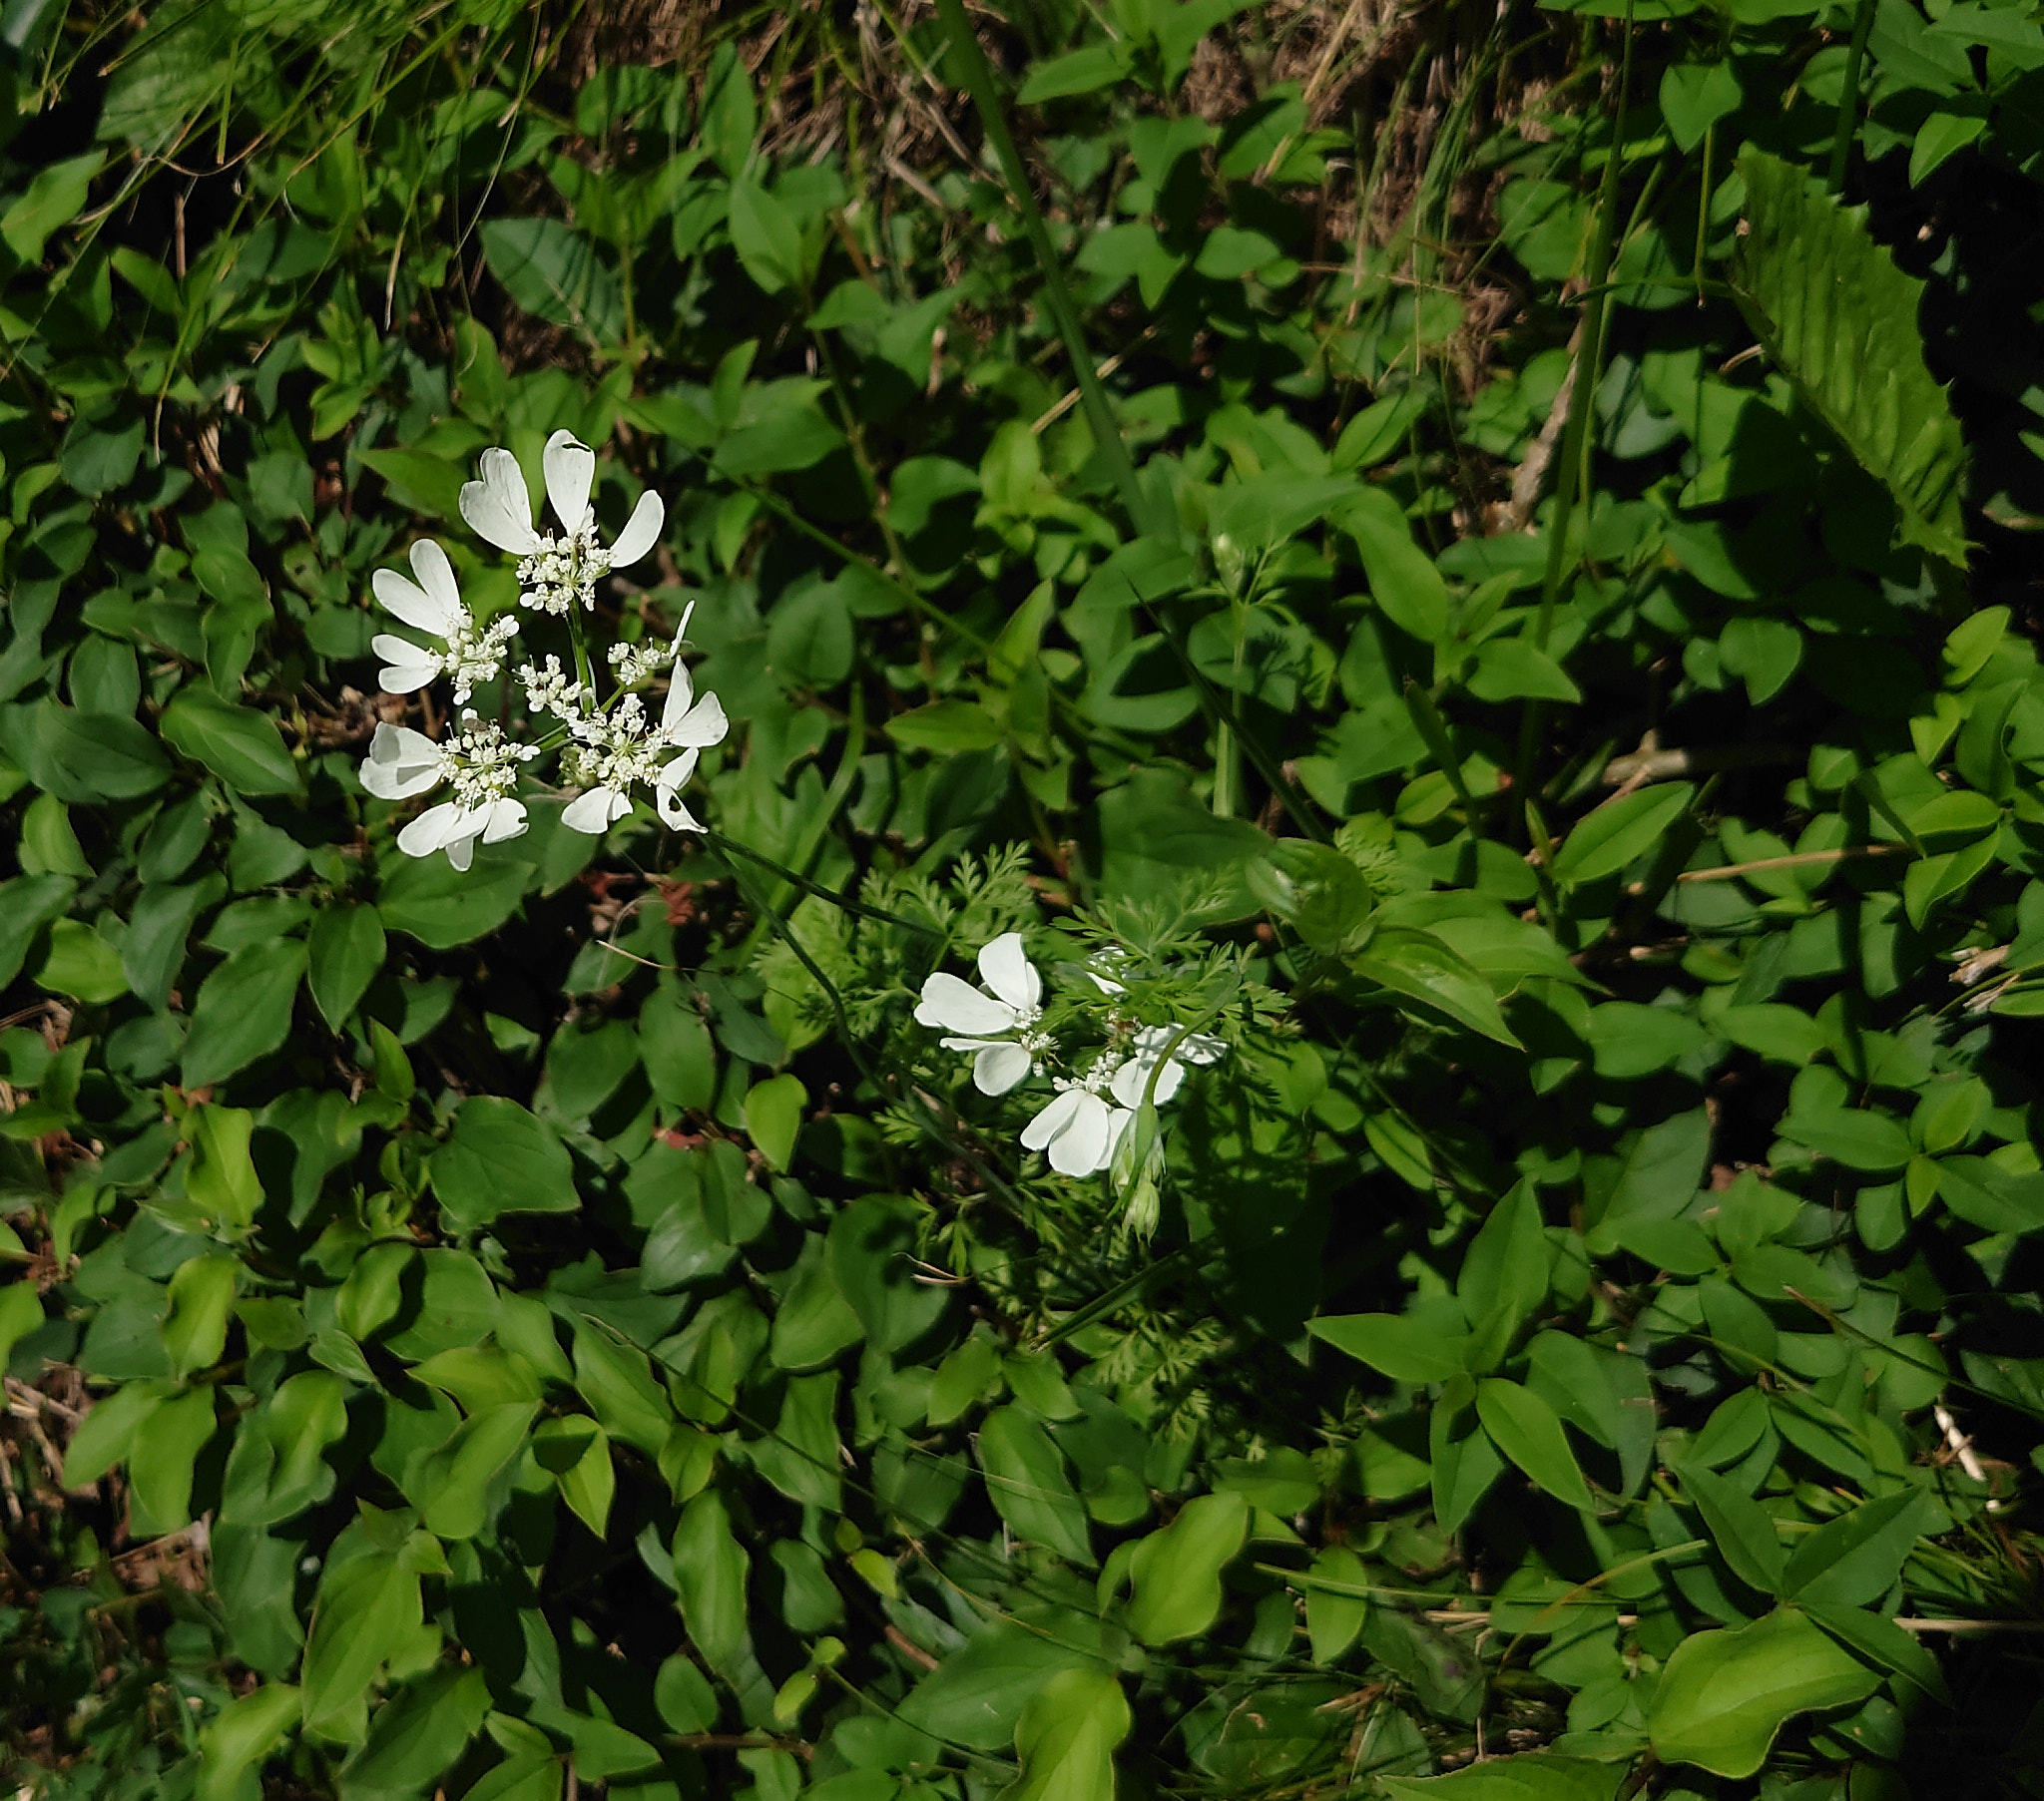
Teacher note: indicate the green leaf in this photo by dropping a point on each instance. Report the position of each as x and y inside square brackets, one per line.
[773, 1118]
[160, 1465]
[450, 1484]
[710, 1580]
[1512, 668]
[976, 1694]
[766, 237]
[872, 1248]
[418, 1734]
[946, 725]
[1084, 71]
[441, 906]
[1464, 1460]
[1852, 1560]
[1025, 1476]
[555, 273]
[1878, 1639]
[1402, 579]
[1177, 1572]
[1531, 1776]
[500, 1159]
[345, 948]
[201, 1291]
[239, 744]
[243, 1011]
[1527, 1431]
[1983, 1195]
[1618, 832]
[1839, 320]
[367, 1613]
[91, 757]
[26, 904]
[1424, 968]
[55, 197]
[1854, 1137]
[1402, 1347]
[1066, 1738]
[1723, 1697]
[1332, 1619]
[241, 1735]
[1739, 1527]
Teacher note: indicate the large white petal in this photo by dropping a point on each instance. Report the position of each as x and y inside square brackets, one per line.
[702, 724]
[1005, 969]
[596, 811]
[503, 818]
[641, 531]
[404, 600]
[1085, 1144]
[1131, 1083]
[436, 577]
[998, 1067]
[957, 1006]
[1193, 1046]
[407, 667]
[401, 763]
[569, 466]
[1052, 1120]
[680, 695]
[498, 508]
[461, 851]
[434, 829]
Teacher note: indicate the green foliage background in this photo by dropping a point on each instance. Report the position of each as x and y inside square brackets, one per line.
[1528, 629]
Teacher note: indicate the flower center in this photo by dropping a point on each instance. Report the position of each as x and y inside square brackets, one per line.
[563, 572]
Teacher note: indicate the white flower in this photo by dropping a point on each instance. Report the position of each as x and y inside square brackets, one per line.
[480, 763]
[623, 747]
[556, 572]
[1077, 1130]
[1155, 1044]
[995, 1023]
[433, 605]
[552, 689]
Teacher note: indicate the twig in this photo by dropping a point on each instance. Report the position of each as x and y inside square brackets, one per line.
[1801, 859]
[1650, 763]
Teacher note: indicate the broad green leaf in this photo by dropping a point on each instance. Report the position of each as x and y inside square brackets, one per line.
[450, 1484]
[1879, 1638]
[1530, 1776]
[1464, 1460]
[1066, 1738]
[368, 1612]
[1526, 1430]
[1332, 1619]
[1402, 1347]
[159, 1464]
[976, 1694]
[710, 1579]
[241, 1735]
[1852, 1560]
[1424, 968]
[26, 904]
[1739, 1527]
[1618, 832]
[201, 1291]
[773, 1118]
[1723, 1697]
[1839, 320]
[239, 745]
[1855, 1136]
[243, 1011]
[766, 237]
[555, 273]
[418, 1734]
[1983, 1195]
[945, 726]
[1083, 70]
[1025, 1476]
[872, 1251]
[1177, 1572]
[55, 197]
[498, 1160]
[95, 757]
[1402, 579]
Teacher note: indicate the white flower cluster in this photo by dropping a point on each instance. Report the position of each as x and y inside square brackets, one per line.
[1000, 1024]
[608, 747]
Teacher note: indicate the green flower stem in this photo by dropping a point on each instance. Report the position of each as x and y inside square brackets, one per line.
[1848, 100]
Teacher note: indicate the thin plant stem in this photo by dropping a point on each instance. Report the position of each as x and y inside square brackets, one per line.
[1847, 127]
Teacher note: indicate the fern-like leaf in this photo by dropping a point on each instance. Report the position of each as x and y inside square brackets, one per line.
[1838, 318]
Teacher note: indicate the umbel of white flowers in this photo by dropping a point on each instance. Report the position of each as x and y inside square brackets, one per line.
[609, 745]
[1000, 1025]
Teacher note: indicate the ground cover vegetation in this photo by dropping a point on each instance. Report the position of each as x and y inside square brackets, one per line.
[1233, 991]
